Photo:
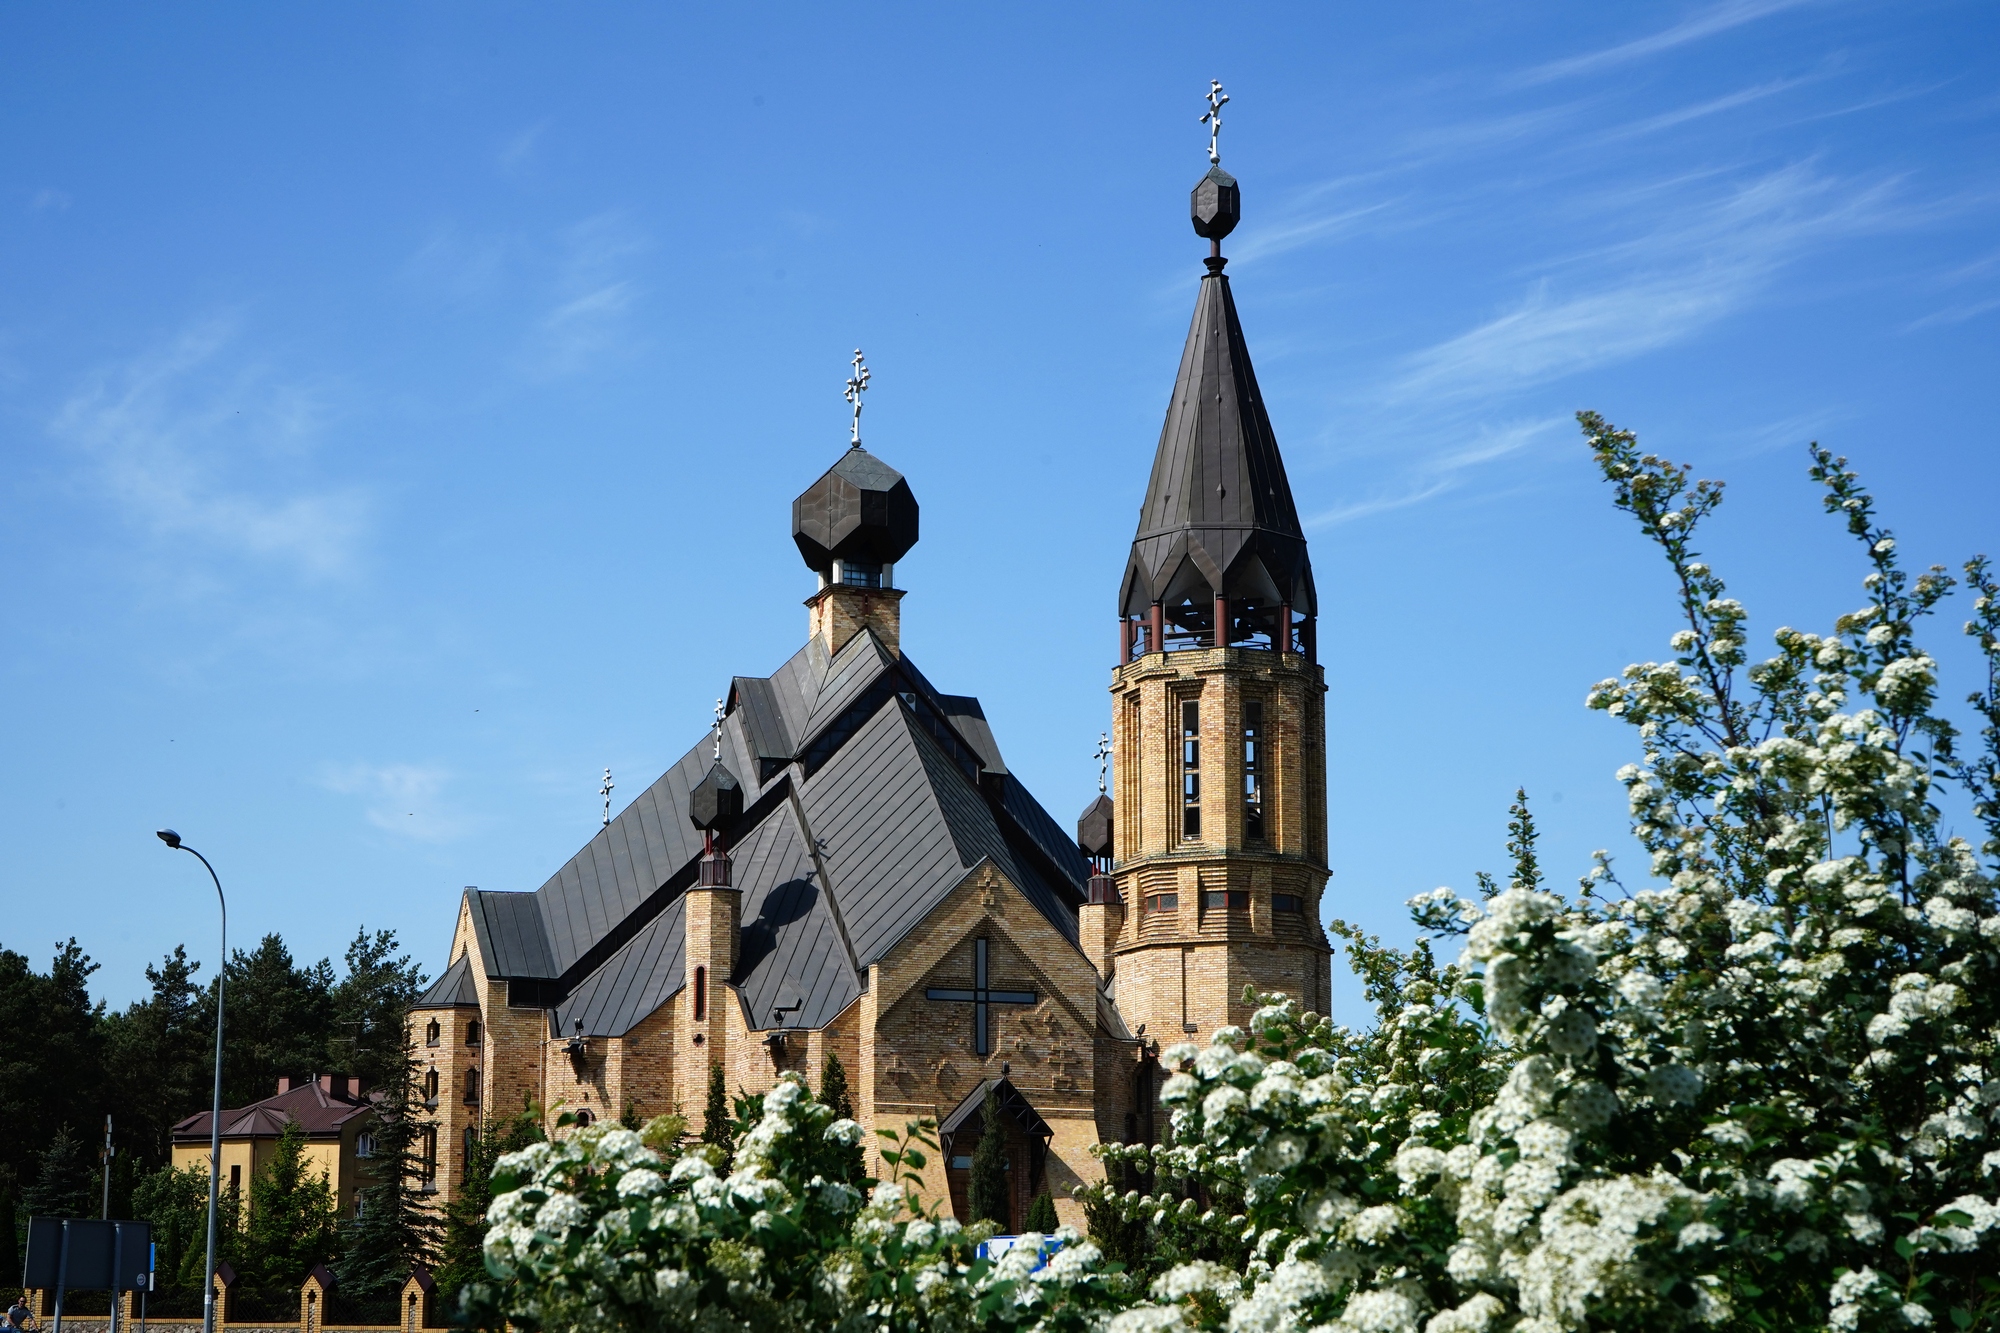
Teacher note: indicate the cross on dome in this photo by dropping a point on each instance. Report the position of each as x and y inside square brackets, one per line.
[857, 384]
[1213, 119]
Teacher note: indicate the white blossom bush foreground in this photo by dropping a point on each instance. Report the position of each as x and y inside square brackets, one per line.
[1761, 1091]
[597, 1231]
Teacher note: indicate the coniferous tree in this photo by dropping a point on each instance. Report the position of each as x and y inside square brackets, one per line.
[62, 1181]
[1042, 1214]
[368, 1008]
[1521, 843]
[294, 1220]
[834, 1092]
[176, 1203]
[397, 1230]
[717, 1129]
[51, 1057]
[462, 1247]
[10, 1239]
[280, 1018]
[988, 1187]
[157, 1063]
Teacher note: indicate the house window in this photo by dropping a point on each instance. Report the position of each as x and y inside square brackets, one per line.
[584, 1118]
[472, 1087]
[1287, 902]
[235, 1180]
[364, 1145]
[1190, 769]
[430, 1157]
[860, 574]
[1231, 900]
[1253, 770]
[432, 1032]
[700, 994]
[1163, 902]
[472, 1033]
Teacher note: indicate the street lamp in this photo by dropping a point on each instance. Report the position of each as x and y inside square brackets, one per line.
[173, 839]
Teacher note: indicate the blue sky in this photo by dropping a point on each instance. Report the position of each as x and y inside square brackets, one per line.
[400, 405]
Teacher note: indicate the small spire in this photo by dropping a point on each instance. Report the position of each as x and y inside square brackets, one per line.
[857, 384]
[605, 792]
[1213, 119]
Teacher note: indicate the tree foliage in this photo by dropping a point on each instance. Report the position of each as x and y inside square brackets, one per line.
[293, 1222]
[462, 1238]
[987, 1190]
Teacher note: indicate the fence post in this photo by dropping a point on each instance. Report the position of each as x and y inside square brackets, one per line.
[225, 1287]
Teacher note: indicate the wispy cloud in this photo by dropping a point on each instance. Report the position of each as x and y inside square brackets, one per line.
[1717, 18]
[191, 447]
[1659, 288]
[1265, 242]
[49, 200]
[516, 153]
[593, 292]
[1714, 106]
[405, 799]
[1442, 468]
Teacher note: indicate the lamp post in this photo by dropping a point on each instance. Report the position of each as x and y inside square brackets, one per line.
[173, 839]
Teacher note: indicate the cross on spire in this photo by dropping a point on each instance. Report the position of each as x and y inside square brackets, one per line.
[1213, 118]
[605, 792]
[720, 713]
[1103, 758]
[857, 384]
[980, 997]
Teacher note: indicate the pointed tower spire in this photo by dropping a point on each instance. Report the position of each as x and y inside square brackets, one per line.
[1219, 542]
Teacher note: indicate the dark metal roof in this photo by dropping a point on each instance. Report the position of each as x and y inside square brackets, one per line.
[889, 794]
[1218, 515]
[858, 509]
[966, 1115]
[452, 990]
[321, 1112]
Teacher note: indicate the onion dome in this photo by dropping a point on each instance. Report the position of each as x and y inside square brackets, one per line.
[717, 800]
[1093, 828]
[1216, 205]
[859, 512]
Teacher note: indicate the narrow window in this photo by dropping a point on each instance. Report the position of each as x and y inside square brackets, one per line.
[364, 1145]
[431, 1087]
[430, 1155]
[236, 1178]
[472, 1087]
[700, 994]
[470, 1146]
[431, 1033]
[1287, 902]
[472, 1033]
[1190, 769]
[1253, 770]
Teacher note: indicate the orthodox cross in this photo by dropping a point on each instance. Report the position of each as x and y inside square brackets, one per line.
[720, 713]
[1213, 118]
[605, 792]
[857, 384]
[980, 997]
[1103, 759]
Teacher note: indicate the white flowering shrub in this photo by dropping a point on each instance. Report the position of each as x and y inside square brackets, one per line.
[598, 1231]
[1760, 1089]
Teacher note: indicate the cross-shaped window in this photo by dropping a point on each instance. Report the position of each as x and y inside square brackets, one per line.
[980, 997]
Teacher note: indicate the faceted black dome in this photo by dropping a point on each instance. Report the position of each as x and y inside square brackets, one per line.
[1217, 205]
[1093, 829]
[860, 509]
[716, 800]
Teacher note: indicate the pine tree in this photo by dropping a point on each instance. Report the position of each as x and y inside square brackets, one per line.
[294, 1219]
[833, 1092]
[462, 1251]
[1042, 1214]
[396, 1231]
[369, 1008]
[989, 1170]
[716, 1128]
[10, 1239]
[1521, 843]
[62, 1181]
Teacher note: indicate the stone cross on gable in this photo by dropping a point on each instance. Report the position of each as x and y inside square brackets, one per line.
[1062, 1056]
[981, 997]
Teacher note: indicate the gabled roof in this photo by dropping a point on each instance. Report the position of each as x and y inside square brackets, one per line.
[887, 794]
[452, 990]
[1218, 507]
[966, 1115]
[320, 1111]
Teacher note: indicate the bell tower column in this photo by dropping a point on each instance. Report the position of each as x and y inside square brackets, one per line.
[1218, 701]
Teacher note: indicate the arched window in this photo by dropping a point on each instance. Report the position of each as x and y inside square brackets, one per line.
[432, 1031]
[472, 1087]
[700, 994]
[584, 1119]
[430, 1158]
[472, 1033]
[431, 1087]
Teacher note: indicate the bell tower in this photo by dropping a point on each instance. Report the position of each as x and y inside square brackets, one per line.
[1219, 713]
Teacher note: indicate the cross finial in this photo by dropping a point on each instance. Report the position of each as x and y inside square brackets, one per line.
[605, 792]
[1213, 118]
[857, 384]
[1103, 759]
[720, 713]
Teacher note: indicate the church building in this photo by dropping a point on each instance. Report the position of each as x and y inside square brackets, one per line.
[845, 864]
